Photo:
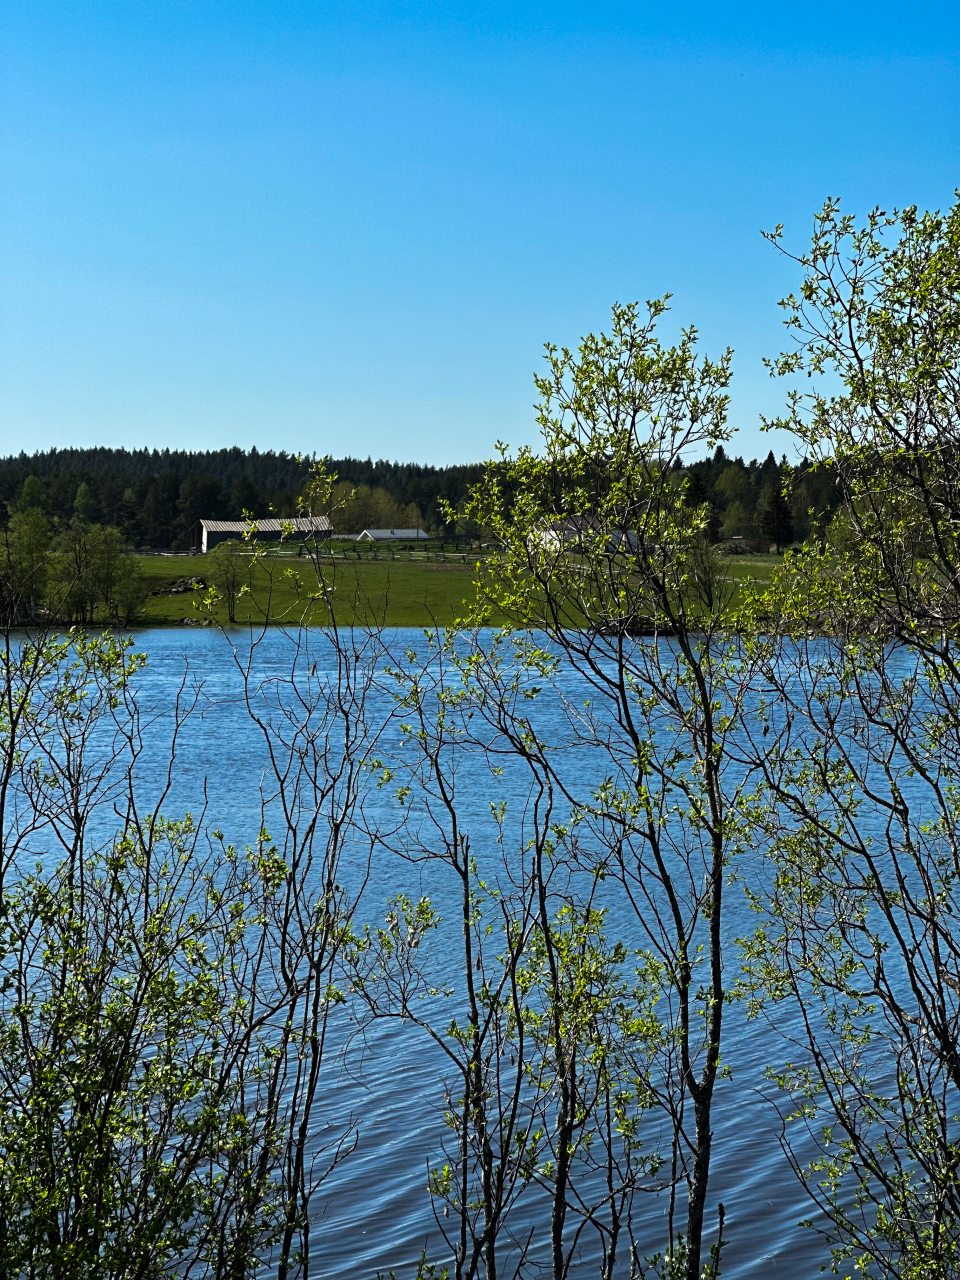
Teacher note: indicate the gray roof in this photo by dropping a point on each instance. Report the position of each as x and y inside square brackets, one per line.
[297, 524]
[385, 534]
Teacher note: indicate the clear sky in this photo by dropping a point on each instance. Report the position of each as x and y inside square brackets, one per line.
[349, 228]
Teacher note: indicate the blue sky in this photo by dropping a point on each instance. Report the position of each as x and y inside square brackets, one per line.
[350, 228]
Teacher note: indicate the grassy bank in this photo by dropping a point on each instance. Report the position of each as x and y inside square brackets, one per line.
[415, 589]
[398, 588]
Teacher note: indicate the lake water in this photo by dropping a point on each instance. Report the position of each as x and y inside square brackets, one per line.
[374, 1213]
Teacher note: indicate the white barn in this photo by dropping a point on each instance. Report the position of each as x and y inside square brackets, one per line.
[209, 532]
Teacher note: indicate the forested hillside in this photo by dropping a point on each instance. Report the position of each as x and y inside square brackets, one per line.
[154, 497]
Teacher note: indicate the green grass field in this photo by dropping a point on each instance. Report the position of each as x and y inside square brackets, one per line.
[409, 591]
[755, 568]
[394, 588]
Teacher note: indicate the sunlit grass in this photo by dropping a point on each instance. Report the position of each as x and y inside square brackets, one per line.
[391, 588]
[284, 589]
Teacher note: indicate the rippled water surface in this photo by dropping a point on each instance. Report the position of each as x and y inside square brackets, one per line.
[385, 1085]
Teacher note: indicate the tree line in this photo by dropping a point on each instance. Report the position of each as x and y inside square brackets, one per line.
[154, 498]
[671, 745]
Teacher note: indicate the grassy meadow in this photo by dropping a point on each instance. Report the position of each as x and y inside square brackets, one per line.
[395, 587]
[405, 589]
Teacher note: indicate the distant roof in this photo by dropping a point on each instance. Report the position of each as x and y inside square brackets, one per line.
[572, 524]
[398, 534]
[296, 524]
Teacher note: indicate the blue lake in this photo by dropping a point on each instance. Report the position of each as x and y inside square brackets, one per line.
[383, 1083]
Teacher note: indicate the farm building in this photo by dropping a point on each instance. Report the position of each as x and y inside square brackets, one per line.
[577, 533]
[743, 545]
[392, 535]
[569, 533]
[207, 533]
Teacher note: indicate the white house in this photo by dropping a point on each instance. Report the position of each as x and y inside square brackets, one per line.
[564, 533]
[577, 533]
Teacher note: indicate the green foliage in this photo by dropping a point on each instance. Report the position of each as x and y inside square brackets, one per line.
[24, 567]
[861, 750]
[126, 1126]
[32, 495]
[163, 995]
[599, 519]
[877, 311]
[87, 577]
[155, 496]
[597, 542]
[773, 515]
[359, 507]
[228, 568]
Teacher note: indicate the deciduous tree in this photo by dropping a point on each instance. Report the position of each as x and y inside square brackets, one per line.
[862, 745]
[635, 612]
